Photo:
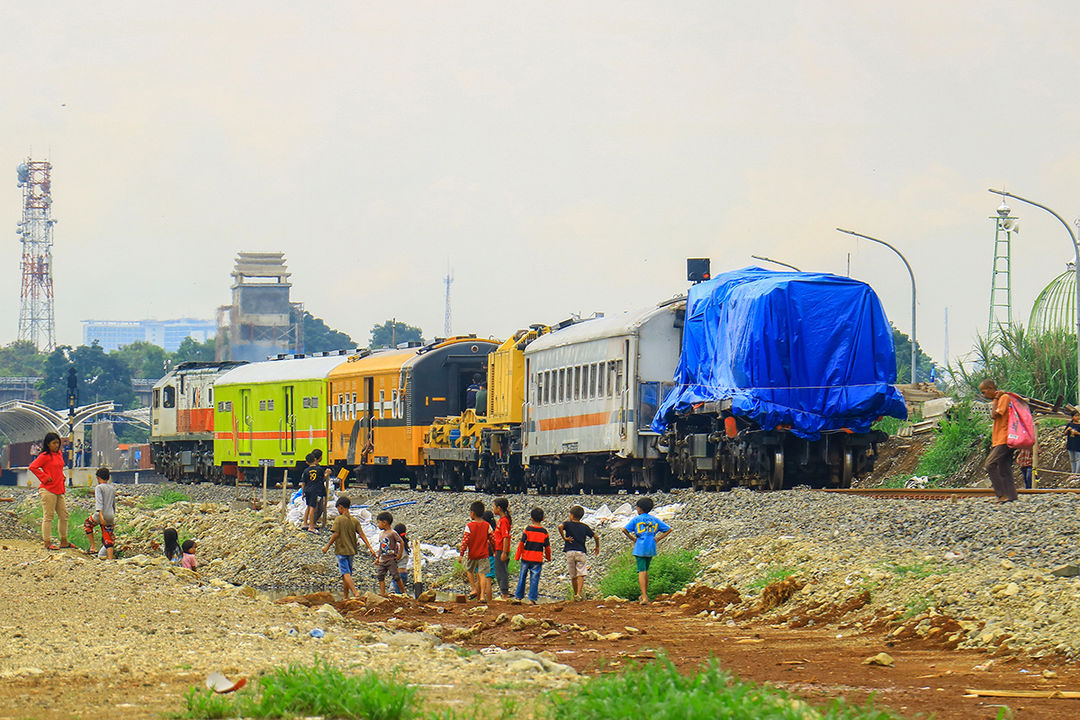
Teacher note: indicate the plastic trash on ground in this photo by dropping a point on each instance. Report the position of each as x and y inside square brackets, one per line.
[217, 682]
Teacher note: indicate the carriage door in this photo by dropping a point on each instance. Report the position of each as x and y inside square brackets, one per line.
[369, 416]
[247, 423]
[288, 422]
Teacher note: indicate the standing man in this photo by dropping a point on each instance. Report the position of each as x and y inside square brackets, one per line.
[470, 392]
[999, 461]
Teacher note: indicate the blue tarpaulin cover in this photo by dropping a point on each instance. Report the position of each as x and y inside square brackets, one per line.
[809, 350]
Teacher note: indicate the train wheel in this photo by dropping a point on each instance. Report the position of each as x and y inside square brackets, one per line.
[848, 469]
[776, 478]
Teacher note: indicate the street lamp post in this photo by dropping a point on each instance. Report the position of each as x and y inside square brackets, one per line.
[776, 262]
[914, 347]
[1076, 252]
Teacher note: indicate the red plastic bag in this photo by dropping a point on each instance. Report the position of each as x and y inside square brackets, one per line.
[1021, 426]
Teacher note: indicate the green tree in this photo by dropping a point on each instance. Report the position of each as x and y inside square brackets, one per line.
[392, 333]
[193, 350]
[320, 337]
[101, 377]
[902, 344]
[144, 359]
[21, 359]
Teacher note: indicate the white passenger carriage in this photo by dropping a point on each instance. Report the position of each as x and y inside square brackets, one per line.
[592, 390]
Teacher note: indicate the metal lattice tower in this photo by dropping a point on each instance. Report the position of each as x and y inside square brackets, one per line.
[448, 280]
[37, 323]
[1001, 272]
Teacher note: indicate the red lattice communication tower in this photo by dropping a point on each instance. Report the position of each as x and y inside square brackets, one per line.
[36, 321]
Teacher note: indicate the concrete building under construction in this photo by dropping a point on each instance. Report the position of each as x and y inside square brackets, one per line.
[261, 322]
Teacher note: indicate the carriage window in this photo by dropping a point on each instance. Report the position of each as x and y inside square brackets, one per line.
[352, 408]
[210, 396]
[620, 382]
[382, 405]
[170, 397]
[592, 380]
[157, 397]
[394, 403]
[600, 380]
[561, 384]
[314, 401]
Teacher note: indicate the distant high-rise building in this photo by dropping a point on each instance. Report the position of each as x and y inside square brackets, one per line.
[261, 321]
[113, 334]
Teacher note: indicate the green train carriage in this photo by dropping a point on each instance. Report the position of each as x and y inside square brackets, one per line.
[272, 413]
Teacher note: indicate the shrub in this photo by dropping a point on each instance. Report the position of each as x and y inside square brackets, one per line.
[954, 441]
[669, 572]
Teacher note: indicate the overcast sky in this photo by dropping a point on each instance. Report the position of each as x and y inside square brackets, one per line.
[561, 157]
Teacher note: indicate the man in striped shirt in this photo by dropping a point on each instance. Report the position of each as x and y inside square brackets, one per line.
[532, 550]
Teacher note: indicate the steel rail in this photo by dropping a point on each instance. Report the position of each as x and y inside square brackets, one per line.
[940, 493]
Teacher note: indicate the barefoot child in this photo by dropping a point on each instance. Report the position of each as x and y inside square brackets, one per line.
[313, 489]
[404, 565]
[475, 544]
[533, 548]
[390, 551]
[103, 515]
[343, 538]
[575, 534]
[645, 530]
[501, 537]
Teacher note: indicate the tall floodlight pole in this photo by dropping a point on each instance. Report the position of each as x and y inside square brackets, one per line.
[914, 346]
[1076, 252]
[775, 262]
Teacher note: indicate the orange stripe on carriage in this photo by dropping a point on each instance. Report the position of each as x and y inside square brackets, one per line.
[275, 435]
[574, 421]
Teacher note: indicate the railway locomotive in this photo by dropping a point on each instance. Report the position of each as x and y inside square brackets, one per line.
[182, 421]
[755, 378]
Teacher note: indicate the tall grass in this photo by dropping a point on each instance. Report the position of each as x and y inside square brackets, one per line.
[954, 440]
[1039, 365]
[668, 573]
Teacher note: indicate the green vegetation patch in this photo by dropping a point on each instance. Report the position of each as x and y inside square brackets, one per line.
[954, 441]
[316, 690]
[76, 518]
[165, 498]
[918, 569]
[668, 573]
[659, 692]
[774, 574]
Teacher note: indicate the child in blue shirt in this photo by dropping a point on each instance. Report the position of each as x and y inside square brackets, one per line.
[645, 530]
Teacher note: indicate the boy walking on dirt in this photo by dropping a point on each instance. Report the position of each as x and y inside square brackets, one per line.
[645, 530]
[575, 533]
[104, 514]
[532, 550]
[391, 548]
[475, 544]
[343, 538]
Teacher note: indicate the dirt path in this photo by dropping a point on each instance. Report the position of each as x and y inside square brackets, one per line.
[822, 662]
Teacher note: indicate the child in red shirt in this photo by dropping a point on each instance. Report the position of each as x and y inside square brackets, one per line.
[475, 542]
[533, 549]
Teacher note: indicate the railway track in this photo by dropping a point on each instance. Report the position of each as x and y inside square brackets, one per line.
[939, 493]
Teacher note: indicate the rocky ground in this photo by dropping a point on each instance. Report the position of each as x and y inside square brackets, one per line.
[964, 574]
